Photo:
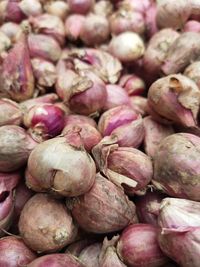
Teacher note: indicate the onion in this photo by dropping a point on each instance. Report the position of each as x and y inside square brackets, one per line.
[15, 147]
[73, 26]
[176, 166]
[50, 25]
[114, 118]
[80, 6]
[176, 98]
[95, 30]
[31, 7]
[57, 8]
[147, 207]
[46, 47]
[103, 8]
[79, 119]
[138, 246]
[133, 84]
[192, 26]
[124, 166]
[115, 213]
[182, 52]
[127, 47]
[13, 12]
[48, 98]
[45, 224]
[89, 256]
[127, 20]
[116, 96]
[14, 253]
[12, 30]
[193, 72]
[150, 19]
[5, 42]
[139, 105]
[154, 134]
[17, 78]
[137, 5]
[56, 260]
[76, 247]
[10, 112]
[53, 164]
[8, 183]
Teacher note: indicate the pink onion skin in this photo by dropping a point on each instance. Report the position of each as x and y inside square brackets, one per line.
[170, 98]
[92, 98]
[192, 26]
[126, 20]
[76, 247]
[147, 207]
[79, 119]
[154, 134]
[45, 224]
[11, 112]
[14, 252]
[17, 78]
[178, 154]
[193, 72]
[139, 104]
[56, 260]
[178, 12]
[44, 121]
[133, 239]
[44, 72]
[8, 183]
[150, 19]
[58, 171]
[127, 47]
[133, 84]
[15, 147]
[95, 30]
[13, 11]
[73, 26]
[48, 98]
[50, 25]
[58, 8]
[44, 46]
[115, 213]
[80, 6]
[12, 30]
[89, 256]
[90, 136]
[115, 117]
[182, 53]
[116, 96]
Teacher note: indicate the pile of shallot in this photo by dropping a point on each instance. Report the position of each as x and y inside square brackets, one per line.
[99, 133]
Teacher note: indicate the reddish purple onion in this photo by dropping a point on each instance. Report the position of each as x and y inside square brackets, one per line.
[13, 12]
[133, 84]
[79, 119]
[48, 98]
[192, 26]
[139, 104]
[8, 183]
[14, 252]
[73, 26]
[150, 19]
[80, 6]
[10, 112]
[44, 46]
[138, 246]
[17, 79]
[115, 213]
[89, 256]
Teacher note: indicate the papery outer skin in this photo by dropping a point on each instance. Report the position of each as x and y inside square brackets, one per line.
[154, 133]
[44, 72]
[147, 207]
[15, 147]
[5, 42]
[49, 25]
[192, 26]
[11, 112]
[103, 8]
[139, 104]
[193, 72]
[116, 96]
[50, 228]
[44, 46]
[48, 98]
[57, 8]
[56, 260]
[178, 12]
[79, 119]
[127, 47]
[176, 166]
[176, 98]
[31, 7]
[133, 84]
[178, 213]
[182, 246]
[138, 246]
[60, 174]
[157, 50]
[79, 6]
[76, 247]
[99, 203]
[14, 252]
[89, 256]
[182, 53]
[17, 79]
[73, 26]
[95, 30]
[12, 30]
[150, 19]
[115, 117]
